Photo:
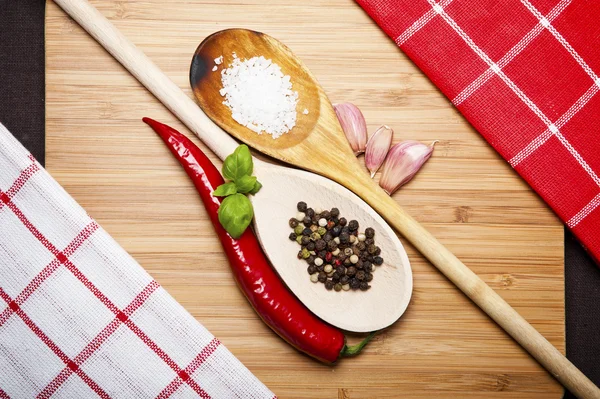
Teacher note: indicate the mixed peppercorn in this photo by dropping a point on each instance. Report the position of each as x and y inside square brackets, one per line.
[337, 254]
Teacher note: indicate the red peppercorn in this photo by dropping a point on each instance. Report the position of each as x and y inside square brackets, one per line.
[328, 257]
[337, 262]
[330, 225]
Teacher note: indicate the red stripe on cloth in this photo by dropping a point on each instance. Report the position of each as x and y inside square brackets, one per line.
[22, 179]
[36, 233]
[190, 369]
[91, 287]
[3, 395]
[46, 340]
[98, 340]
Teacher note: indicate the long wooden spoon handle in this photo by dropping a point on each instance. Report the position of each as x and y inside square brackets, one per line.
[477, 290]
[140, 66]
[222, 145]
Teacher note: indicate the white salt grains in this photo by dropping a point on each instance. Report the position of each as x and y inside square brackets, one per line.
[259, 96]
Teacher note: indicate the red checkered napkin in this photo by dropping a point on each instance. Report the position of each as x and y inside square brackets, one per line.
[525, 74]
[79, 318]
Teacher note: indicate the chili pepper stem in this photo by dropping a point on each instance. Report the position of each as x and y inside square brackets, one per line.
[354, 350]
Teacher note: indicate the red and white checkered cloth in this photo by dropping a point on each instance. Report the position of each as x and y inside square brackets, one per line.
[525, 74]
[79, 317]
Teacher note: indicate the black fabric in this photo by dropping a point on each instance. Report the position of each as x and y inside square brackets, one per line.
[22, 76]
[22, 112]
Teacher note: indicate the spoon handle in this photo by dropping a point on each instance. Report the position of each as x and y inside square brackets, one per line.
[140, 66]
[473, 286]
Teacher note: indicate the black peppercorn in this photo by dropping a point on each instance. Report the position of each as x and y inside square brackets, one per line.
[377, 251]
[322, 277]
[345, 229]
[341, 269]
[364, 286]
[337, 287]
[344, 238]
[310, 212]
[369, 241]
[293, 222]
[310, 260]
[360, 275]
[355, 251]
[331, 246]
[321, 268]
[354, 284]
[305, 240]
[320, 245]
[299, 255]
[368, 266]
[369, 277]
[335, 231]
[335, 220]
[351, 271]
[378, 260]
[307, 221]
[326, 215]
[344, 280]
[347, 262]
[369, 232]
[306, 231]
[341, 256]
[329, 285]
[335, 279]
[327, 237]
[301, 206]
[335, 212]
[322, 253]
[371, 249]
[342, 222]
[292, 236]
[353, 225]
[310, 246]
[361, 246]
[359, 264]
[312, 269]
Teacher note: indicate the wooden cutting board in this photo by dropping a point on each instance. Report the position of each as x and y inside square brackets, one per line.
[443, 346]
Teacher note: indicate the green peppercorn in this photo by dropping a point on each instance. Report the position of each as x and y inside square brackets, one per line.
[378, 260]
[329, 285]
[337, 287]
[293, 223]
[322, 232]
[305, 253]
[369, 232]
[299, 239]
[298, 229]
[354, 284]
[304, 240]
[315, 236]
[342, 222]
[353, 225]
[364, 286]
[335, 212]
[292, 236]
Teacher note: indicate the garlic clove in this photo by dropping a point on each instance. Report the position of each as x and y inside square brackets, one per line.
[402, 163]
[354, 126]
[377, 148]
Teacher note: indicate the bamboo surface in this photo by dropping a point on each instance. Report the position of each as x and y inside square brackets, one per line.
[468, 197]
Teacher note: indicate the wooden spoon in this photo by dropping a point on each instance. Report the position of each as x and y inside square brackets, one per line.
[173, 98]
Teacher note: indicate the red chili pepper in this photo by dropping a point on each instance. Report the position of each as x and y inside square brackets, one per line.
[267, 294]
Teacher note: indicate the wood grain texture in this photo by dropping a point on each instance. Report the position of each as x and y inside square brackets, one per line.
[466, 196]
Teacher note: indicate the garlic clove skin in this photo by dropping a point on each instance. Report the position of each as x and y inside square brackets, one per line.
[377, 148]
[354, 126]
[403, 162]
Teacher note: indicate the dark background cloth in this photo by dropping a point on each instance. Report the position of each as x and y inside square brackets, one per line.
[22, 111]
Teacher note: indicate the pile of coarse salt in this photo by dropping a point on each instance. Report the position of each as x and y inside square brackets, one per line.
[259, 95]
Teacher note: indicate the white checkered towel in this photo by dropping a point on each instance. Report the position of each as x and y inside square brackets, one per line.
[80, 318]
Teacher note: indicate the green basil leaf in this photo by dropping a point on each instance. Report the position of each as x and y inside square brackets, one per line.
[235, 214]
[245, 184]
[238, 164]
[225, 189]
[256, 188]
